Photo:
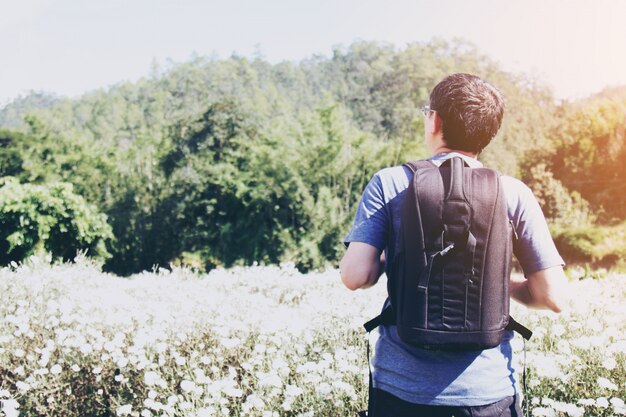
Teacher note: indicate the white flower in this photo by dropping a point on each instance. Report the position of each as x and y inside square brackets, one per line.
[22, 386]
[9, 408]
[345, 387]
[293, 390]
[563, 346]
[609, 363]
[547, 368]
[44, 360]
[618, 406]
[124, 410]
[566, 377]
[323, 389]
[75, 368]
[187, 386]
[594, 324]
[4, 393]
[19, 353]
[154, 405]
[606, 384]
[602, 402]
[543, 412]
[56, 369]
[286, 405]
[152, 378]
[206, 412]
[270, 379]
[230, 343]
[617, 402]
[97, 370]
[200, 377]
[558, 329]
[232, 391]
[569, 409]
[252, 402]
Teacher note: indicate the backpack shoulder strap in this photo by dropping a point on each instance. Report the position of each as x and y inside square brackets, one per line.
[419, 164]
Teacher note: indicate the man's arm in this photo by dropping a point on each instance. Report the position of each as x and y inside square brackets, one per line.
[361, 265]
[544, 289]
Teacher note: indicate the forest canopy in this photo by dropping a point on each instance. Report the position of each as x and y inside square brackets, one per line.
[235, 161]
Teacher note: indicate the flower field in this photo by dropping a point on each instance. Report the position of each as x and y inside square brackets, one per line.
[259, 341]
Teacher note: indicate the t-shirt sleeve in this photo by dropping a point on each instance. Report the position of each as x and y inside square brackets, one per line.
[534, 247]
[370, 221]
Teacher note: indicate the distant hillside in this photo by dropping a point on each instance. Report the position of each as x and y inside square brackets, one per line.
[12, 114]
[381, 86]
[234, 161]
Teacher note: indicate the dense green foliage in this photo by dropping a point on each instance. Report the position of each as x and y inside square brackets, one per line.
[237, 161]
[51, 218]
[590, 152]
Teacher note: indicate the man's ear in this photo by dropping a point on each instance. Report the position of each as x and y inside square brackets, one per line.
[437, 126]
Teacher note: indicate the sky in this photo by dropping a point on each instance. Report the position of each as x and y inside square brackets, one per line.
[70, 47]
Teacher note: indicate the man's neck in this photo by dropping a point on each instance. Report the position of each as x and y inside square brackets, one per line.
[445, 149]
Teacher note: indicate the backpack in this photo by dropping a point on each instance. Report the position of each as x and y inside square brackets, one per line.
[449, 279]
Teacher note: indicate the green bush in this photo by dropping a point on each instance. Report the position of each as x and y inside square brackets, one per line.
[48, 218]
[580, 244]
[600, 246]
[561, 206]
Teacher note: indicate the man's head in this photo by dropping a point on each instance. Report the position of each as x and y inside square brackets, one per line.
[470, 110]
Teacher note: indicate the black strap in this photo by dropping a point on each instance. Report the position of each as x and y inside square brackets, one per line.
[525, 332]
[456, 179]
[524, 381]
[371, 394]
[387, 316]
[424, 278]
[470, 257]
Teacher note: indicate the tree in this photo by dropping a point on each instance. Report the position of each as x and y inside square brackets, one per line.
[49, 218]
[591, 148]
[11, 163]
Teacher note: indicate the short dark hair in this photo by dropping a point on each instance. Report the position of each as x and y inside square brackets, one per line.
[471, 110]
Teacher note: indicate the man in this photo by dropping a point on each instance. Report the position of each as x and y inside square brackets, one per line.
[463, 116]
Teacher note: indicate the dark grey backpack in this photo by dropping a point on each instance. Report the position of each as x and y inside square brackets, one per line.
[449, 280]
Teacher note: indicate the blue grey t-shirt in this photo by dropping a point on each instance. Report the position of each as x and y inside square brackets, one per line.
[437, 377]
